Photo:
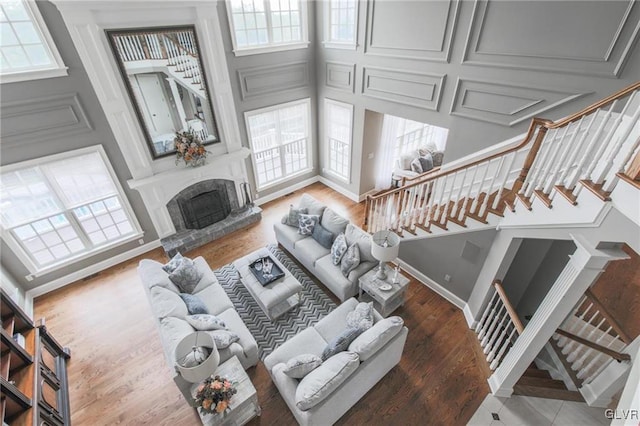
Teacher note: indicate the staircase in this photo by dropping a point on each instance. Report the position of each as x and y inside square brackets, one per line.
[539, 383]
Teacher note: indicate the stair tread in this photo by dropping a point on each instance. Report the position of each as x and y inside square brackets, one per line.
[549, 393]
[542, 382]
[536, 372]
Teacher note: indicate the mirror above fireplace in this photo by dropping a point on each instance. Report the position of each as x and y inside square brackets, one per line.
[165, 79]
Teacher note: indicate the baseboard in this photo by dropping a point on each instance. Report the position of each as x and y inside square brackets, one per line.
[331, 184]
[471, 320]
[285, 191]
[452, 298]
[364, 196]
[89, 270]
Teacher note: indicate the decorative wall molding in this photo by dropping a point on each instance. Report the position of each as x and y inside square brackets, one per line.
[439, 18]
[505, 104]
[52, 117]
[260, 81]
[442, 291]
[340, 76]
[415, 89]
[576, 54]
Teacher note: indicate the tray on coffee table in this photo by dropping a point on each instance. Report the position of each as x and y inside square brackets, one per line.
[266, 270]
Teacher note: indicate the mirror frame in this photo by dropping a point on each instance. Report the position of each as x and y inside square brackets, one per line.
[111, 33]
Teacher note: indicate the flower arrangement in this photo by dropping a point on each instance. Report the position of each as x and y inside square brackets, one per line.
[189, 148]
[213, 395]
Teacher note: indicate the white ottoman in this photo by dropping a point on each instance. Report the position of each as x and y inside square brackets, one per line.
[275, 298]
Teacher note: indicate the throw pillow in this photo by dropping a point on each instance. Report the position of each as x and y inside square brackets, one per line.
[350, 260]
[437, 157]
[416, 166]
[301, 365]
[292, 218]
[322, 236]
[338, 249]
[333, 222]
[186, 276]
[165, 303]
[405, 161]
[362, 316]
[175, 261]
[223, 338]
[426, 162]
[370, 341]
[341, 342]
[306, 223]
[205, 322]
[314, 206]
[195, 357]
[194, 304]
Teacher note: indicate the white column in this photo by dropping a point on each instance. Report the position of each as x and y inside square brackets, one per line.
[177, 101]
[584, 267]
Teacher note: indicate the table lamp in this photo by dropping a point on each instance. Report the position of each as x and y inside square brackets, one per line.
[385, 246]
[201, 368]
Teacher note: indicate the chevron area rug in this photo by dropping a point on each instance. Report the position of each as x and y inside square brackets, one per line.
[314, 305]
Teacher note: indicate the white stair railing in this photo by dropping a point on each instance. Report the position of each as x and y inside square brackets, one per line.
[498, 327]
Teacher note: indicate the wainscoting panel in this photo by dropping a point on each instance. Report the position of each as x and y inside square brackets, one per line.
[503, 104]
[340, 76]
[558, 37]
[415, 89]
[54, 116]
[418, 30]
[273, 79]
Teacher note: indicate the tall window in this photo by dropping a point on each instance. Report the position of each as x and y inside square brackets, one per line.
[411, 135]
[280, 141]
[26, 48]
[263, 25]
[59, 208]
[338, 130]
[342, 16]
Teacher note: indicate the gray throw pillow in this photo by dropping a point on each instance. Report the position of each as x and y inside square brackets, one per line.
[306, 223]
[361, 316]
[195, 357]
[341, 342]
[194, 304]
[426, 162]
[175, 261]
[301, 365]
[350, 260]
[322, 236]
[437, 157]
[205, 322]
[223, 338]
[416, 166]
[338, 249]
[186, 276]
[292, 218]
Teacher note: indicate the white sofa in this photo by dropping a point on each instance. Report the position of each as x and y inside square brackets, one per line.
[373, 366]
[317, 259]
[402, 168]
[170, 310]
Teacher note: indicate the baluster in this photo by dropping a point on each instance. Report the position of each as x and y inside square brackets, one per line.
[415, 204]
[486, 312]
[577, 150]
[553, 160]
[505, 179]
[581, 330]
[485, 202]
[497, 344]
[487, 323]
[579, 359]
[535, 164]
[494, 323]
[496, 332]
[127, 46]
[468, 194]
[432, 200]
[449, 199]
[563, 157]
[439, 206]
[474, 205]
[563, 340]
[456, 205]
[424, 202]
[545, 149]
[503, 349]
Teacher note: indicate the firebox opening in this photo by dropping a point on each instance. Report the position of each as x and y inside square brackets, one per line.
[205, 209]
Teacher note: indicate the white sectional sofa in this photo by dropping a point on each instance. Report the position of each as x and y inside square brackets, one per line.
[376, 351]
[317, 259]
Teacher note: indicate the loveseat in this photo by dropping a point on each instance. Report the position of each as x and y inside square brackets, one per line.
[170, 312]
[328, 392]
[317, 259]
[406, 167]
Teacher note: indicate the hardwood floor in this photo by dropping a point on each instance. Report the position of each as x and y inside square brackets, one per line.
[118, 373]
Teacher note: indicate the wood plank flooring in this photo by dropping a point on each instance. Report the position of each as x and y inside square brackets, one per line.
[118, 373]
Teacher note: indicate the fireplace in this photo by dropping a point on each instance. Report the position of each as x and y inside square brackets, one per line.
[205, 209]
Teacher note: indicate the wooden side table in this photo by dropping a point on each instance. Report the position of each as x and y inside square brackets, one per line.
[385, 302]
[244, 404]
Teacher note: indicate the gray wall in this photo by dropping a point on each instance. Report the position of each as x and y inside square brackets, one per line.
[480, 69]
[460, 255]
[57, 115]
[526, 262]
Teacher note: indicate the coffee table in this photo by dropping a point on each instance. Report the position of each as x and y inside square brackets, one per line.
[385, 302]
[275, 298]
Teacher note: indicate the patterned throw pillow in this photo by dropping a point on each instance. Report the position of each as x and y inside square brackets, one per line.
[338, 249]
[361, 316]
[195, 357]
[341, 342]
[171, 266]
[416, 166]
[322, 236]
[350, 260]
[426, 162]
[186, 276]
[223, 338]
[306, 223]
[292, 218]
[301, 365]
[194, 304]
[205, 322]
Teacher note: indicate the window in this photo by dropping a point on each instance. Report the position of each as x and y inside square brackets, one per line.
[60, 208]
[338, 122]
[411, 135]
[267, 25]
[341, 28]
[280, 141]
[27, 50]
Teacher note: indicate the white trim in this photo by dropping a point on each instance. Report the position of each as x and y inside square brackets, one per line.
[468, 315]
[327, 151]
[90, 270]
[270, 197]
[452, 298]
[333, 44]
[271, 48]
[333, 185]
[342, 46]
[16, 77]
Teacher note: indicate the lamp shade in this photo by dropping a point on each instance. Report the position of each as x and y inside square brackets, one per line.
[188, 351]
[385, 245]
